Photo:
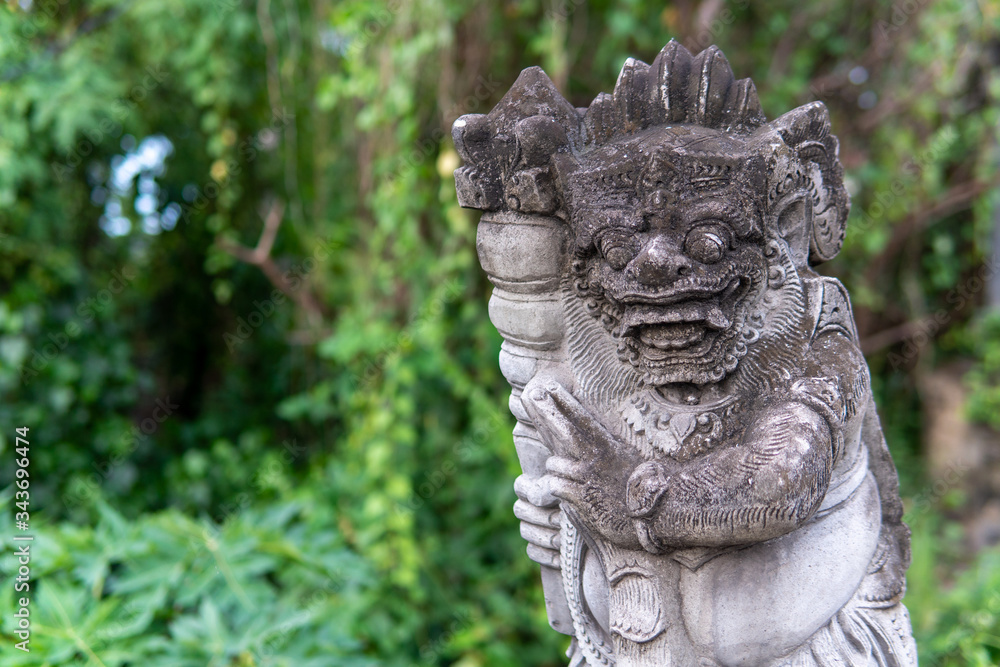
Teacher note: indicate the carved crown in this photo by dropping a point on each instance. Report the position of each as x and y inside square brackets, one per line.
[517, 156]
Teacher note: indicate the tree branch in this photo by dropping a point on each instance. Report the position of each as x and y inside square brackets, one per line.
[887, 337]
[260, 256]
[955, 199]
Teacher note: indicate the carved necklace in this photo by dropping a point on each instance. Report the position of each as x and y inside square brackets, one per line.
[679, 430]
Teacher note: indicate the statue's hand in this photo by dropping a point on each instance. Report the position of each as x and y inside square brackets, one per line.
[590, 468]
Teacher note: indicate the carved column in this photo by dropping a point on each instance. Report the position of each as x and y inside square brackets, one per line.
[524, 254]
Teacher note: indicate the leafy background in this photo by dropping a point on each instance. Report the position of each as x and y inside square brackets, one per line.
[244, 211]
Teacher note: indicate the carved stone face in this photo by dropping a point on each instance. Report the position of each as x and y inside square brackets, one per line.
[675, 260]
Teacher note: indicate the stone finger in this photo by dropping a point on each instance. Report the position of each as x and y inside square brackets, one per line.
[568, 468]
[535, 490]
[566, 489]
[525, 511]
[543, 556]
[556, 431]
[565, 424]
[588, 428]
[543, 537]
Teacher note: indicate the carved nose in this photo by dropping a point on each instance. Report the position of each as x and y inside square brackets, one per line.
[660, 263]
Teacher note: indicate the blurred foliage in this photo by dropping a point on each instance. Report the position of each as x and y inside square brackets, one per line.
[958, 624]
[241, 312]
[985, 375]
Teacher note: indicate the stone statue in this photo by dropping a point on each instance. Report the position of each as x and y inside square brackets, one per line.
[705, 477]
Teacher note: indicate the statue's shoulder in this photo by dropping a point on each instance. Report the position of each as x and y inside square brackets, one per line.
[830, 307]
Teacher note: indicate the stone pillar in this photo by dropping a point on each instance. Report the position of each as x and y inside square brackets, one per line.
[524, 256]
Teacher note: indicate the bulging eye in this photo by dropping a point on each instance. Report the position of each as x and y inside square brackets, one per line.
[706, 244]
[619, 248]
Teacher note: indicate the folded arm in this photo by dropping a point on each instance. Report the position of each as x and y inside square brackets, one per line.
[763, 487]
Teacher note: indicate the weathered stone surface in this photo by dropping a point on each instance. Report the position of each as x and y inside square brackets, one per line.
[705, 480]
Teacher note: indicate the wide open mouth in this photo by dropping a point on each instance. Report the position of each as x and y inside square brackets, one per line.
[669, 337]
[689, 322]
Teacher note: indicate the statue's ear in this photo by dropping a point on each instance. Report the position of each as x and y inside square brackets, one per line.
[807, 198]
